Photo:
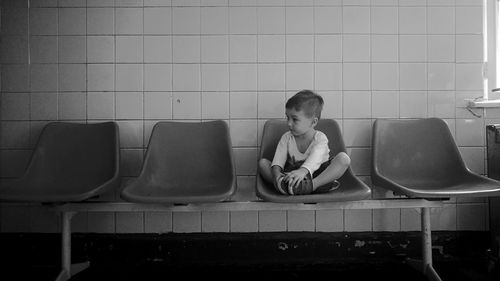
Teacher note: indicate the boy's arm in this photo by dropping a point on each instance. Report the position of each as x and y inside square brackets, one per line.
[317, 155]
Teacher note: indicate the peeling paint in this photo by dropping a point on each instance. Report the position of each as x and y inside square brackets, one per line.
[282, 246]
[359, 243]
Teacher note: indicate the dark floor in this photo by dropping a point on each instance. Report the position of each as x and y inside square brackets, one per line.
[249, 257]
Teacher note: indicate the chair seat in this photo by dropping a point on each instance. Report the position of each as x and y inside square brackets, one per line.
[71, 162]
[419, 158]
[351, 187]
[185, 163]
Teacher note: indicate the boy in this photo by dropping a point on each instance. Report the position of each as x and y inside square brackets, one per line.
[301, 163]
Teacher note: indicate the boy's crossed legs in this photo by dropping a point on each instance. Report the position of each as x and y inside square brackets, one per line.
[322, 182]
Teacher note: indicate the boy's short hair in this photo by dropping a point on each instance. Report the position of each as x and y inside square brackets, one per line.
[308, 101]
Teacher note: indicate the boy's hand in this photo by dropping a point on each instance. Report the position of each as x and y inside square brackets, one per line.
[295, 177]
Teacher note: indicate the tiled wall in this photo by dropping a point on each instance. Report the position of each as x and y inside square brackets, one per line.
[140, 61]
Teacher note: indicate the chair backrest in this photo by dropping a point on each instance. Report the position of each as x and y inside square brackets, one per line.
[194, 155]
[414, 150]
[274, 129]
[80, 156]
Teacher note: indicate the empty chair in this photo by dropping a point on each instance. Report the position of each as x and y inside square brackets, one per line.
[351, 188]
[419, 158]
[185, 163]
[71, 162]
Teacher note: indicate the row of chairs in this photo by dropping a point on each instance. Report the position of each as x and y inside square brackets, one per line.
[193, 163]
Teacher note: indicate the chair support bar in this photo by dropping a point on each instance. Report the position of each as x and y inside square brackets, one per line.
[68, 210]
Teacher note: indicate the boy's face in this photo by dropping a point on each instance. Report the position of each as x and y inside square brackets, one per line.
[298, 122]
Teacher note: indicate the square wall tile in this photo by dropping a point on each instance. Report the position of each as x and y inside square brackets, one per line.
[244, 221]
[130, 21]
[15, 134]
[157, 49]
[271, 105]
[215, 221]
[42, 21]
[186, 105]
[385, 76]
[243, 133]
[301, 220]
[129, 222]
[243, 77]
[384, 48]
[215, 49]
[357, 132]
[186, 49]
[215, 105]
[384, 20]
[245, 161]
[271, 48]
[128, 77]
[270, 221]
[412, 48]
[158, 20]
[100, 77]
[441, 20]
[43, 77]
[242, 20]
[43, 49]
[15, 106]
[129, 49]
[441, 48]
[356, 76]
[327, 20]
[327, 48]
[271, 77]
[215, 77]
[385, 104]
[186, 20]
[472, 217]
[43, 106]
[72, 77]
[243, 105]
[387, 220]
[469, 20]
[72, 49]
[357, 104]
[243, 48]
[158, 105]
[131, 134]
[355, 19]
[184, 222]
[129, 105]
[412, 20]
[413, 76]
[333, 104]
[15, 78]
[157, 77]
[358, 220]
[356, 48]
[299, 76]
[214, 20]
[14, 49]
[157, 222]
[101, 105]
[413, 104]
[100, 21]
[299, 48]
[299, 20]
[469, 48]
[329, 220]
[72, 106]
[72, 21]
[186, 77]
[100, 49]
[271, 20]
[468, 76]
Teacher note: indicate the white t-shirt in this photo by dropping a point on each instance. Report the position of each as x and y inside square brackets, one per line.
[316, 154]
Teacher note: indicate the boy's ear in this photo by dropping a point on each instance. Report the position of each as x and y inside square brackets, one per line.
[315, 121]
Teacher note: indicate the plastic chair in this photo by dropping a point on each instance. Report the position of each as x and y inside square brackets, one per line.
[185, 163]
[71, 163]
[419, 158]
[351, 188]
